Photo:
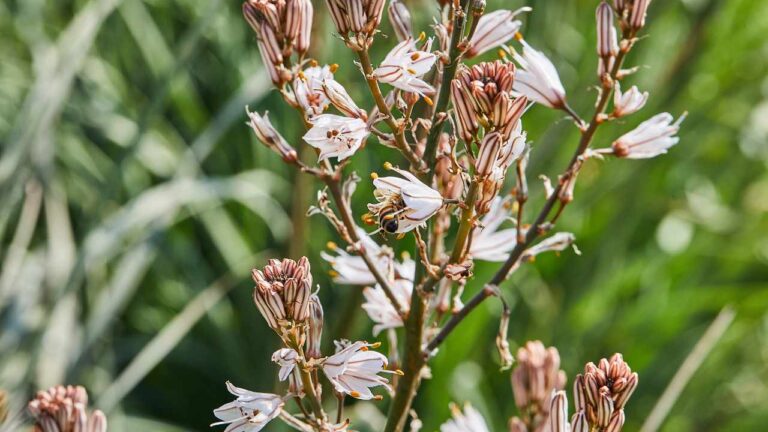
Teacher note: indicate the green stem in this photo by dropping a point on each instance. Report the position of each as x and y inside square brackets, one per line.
[413, 360]
[465, 223]
[378, 97]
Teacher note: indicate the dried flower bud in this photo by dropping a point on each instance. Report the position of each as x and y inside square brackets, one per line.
[282, 291]
[637, 16]
[489, 153]
[315, 327]
[400, 18]
[269, 136]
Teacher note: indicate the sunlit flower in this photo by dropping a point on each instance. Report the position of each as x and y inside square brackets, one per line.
[651, 138]
[308, 89]
[285, 358]
[355, 369]
[336, 136]
[403, 66]
[249, 412]
[379, 307]
[494, 29]
[628, 102]
[537, 78]
[468, 421]
[489, 243]
[403, 204]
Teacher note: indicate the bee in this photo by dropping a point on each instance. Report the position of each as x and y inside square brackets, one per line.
[390, 213]
[388, 219]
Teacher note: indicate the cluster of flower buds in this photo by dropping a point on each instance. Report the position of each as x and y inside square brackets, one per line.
[483, 98]
[631, 13]
[281, 27]
[356, 20]
[600, 395]
[282, 293]
[64, 409]
[535, 377]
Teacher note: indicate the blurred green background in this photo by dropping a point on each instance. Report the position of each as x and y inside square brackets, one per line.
[134, 201]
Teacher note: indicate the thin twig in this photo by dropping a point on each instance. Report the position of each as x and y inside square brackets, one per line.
[690, 365]
[397, 130]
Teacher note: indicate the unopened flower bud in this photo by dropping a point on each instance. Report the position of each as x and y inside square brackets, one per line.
[534, 379]
[269, 136]
[579, 422]
[315, 327]
[637, 16]
[400, 18]
[465, 113]
[617, 422]
[489, 153]
[607, 45]
[339, 97]
[97, 422]
[338, 10]
[558, 412]
[604, 408]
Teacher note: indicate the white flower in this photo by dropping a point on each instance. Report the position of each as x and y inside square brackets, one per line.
[354, 370]
[286, 358]
[250, 412]
[403, 204]
[538, 79]
[379, 307]
[555, 243]
[489, 243]
[404, 65]
[308, 89]
[629, 102]
[352, 269]
[494, 29]
[336, 136]
[651, 138]
[468, 421]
